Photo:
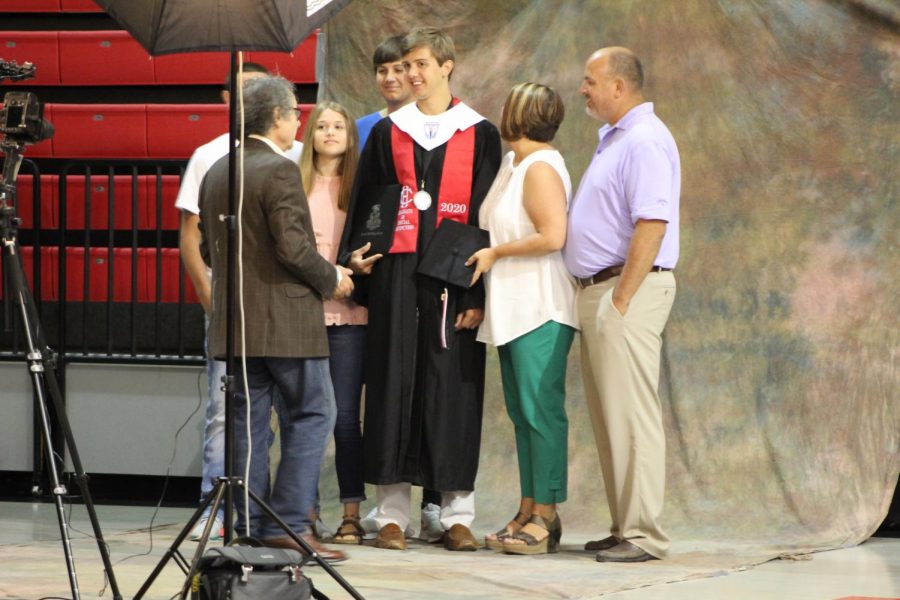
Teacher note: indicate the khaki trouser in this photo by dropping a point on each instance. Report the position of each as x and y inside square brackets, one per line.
[620, 366]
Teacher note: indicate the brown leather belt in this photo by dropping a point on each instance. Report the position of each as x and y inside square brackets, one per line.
[609, 273]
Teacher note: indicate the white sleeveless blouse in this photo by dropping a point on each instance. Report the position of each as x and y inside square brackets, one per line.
[523, 292]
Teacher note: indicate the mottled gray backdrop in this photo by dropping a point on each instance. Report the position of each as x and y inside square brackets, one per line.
[780, 382]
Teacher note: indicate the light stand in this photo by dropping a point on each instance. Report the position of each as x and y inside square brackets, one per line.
[42, 368]
[226, 486]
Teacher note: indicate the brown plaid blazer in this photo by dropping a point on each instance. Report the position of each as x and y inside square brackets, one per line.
[285, 278]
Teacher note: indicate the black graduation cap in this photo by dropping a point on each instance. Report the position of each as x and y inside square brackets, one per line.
[375, 218]
[450, 247]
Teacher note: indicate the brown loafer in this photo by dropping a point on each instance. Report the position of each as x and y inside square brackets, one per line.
[332, 556]
[604, 544]
[391, 537]
[624, 551]
[460, 539]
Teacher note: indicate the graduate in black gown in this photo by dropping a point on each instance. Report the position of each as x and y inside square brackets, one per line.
[424, 368]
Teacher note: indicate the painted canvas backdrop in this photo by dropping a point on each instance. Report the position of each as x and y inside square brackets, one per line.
[780, 382]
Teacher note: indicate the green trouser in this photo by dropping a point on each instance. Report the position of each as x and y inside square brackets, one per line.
[533, 368]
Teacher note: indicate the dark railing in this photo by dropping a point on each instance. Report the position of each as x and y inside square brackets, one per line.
[99, 242]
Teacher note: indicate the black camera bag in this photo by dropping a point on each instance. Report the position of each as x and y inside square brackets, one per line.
[248, 573]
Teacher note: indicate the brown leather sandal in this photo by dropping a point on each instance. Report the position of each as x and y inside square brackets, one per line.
[494, 541]
[350, 532]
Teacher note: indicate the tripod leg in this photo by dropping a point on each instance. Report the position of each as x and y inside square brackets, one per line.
[223, 485]
[82, 480]
[44, 378]
[35, 360]
[214, 500]
[309, 551]
[220, 490]
[37, 470]
[58, 490]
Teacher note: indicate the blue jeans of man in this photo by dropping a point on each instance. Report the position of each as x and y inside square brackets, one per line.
[306, 413]
[213, 465]
[214, 428]
[346, 345]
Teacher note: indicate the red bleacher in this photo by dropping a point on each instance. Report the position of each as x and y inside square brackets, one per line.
[298, 66]
[79, 6]
[160, 205]
[175, 130]
[135, 130]
[100, 130]
[49, 6]
[151, 206]
[25, 201]
[107, 58]
[103, 58]
[89, 281]
[40, 48]
[192, 68]
[169, 266]
[80, 275]
[49, 270]
[123, 195]
[30, 6]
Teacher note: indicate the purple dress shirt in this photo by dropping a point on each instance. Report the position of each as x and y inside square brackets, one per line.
[635, 174]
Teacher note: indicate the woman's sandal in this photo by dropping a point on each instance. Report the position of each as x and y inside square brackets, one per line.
[494, 541]
[350, 532]
[531, 545]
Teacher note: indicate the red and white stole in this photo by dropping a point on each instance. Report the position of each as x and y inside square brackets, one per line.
[454, 196]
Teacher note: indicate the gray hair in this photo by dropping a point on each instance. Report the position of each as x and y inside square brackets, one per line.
[262, 96]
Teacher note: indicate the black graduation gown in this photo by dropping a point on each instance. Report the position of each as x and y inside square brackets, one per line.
[423, 402]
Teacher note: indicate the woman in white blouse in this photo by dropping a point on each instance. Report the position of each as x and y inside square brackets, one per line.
[530, 309]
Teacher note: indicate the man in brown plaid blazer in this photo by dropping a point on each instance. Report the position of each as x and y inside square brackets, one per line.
[284, 281]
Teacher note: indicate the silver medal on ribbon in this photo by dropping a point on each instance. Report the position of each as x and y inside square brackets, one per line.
[422, 200]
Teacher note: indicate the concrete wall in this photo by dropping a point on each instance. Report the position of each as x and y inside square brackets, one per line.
[124, 417]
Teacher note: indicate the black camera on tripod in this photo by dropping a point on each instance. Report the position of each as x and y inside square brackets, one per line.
[22, 119]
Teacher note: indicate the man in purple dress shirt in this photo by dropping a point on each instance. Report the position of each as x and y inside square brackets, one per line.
[622, 245]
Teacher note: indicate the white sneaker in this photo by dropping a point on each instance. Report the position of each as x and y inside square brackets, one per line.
[215, 534]
[321, 530]
[371, 527]
[431, 530]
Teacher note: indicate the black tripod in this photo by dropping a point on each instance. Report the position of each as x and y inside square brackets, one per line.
[214, 501]
[225, 488]
[42, 368]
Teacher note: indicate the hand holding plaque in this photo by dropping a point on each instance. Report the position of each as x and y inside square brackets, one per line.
[375, 218]
[360, 265]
